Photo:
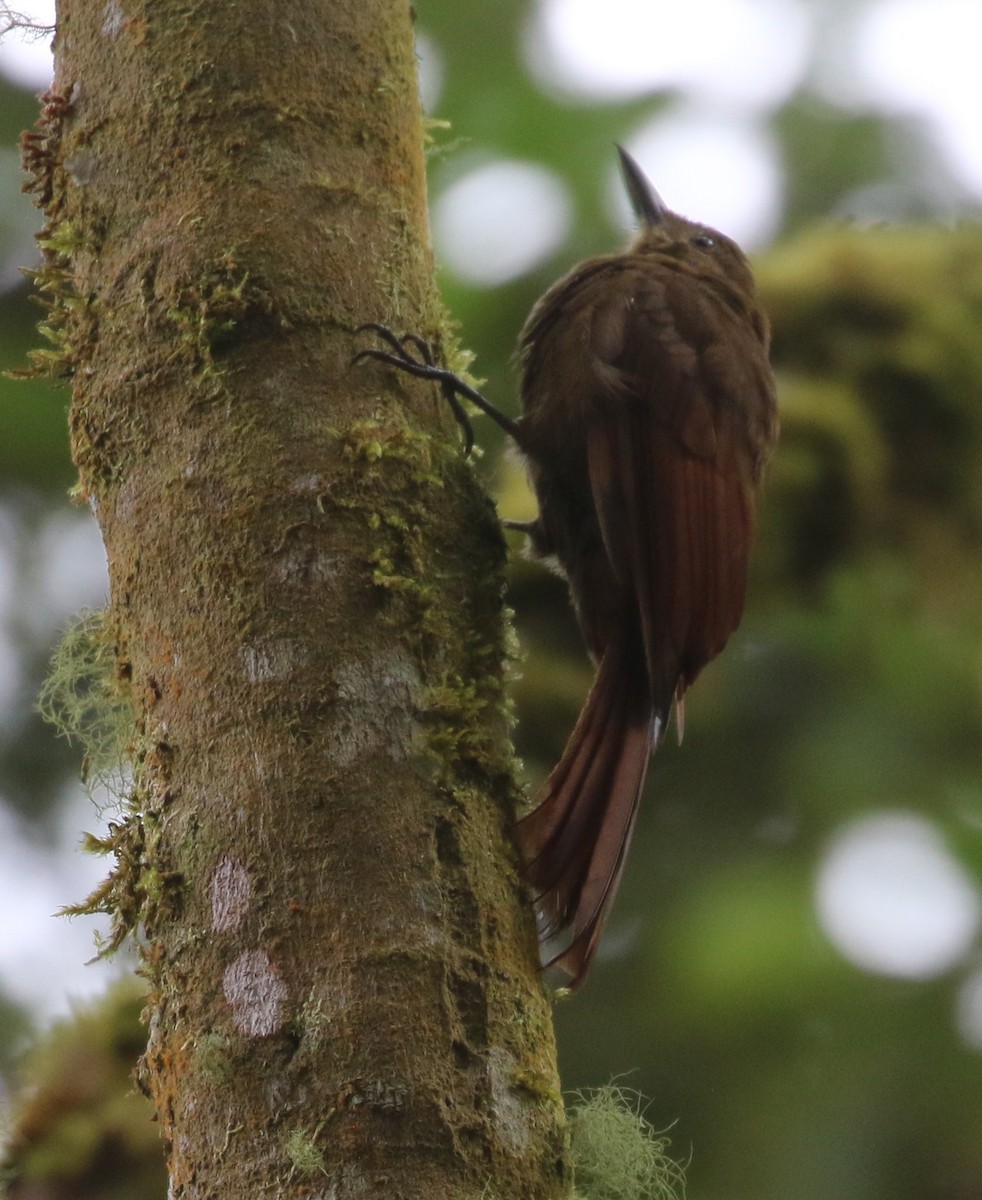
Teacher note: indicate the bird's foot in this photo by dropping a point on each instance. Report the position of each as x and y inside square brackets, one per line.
[416, 356]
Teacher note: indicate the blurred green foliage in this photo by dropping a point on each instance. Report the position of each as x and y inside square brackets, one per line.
[854, 685]
[34, 441]
[81, 1130]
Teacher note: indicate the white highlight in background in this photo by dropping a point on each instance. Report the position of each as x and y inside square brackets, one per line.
[724, 173]
[893, 900]
[500, 221]
[25, 55]
[913, 59]
[747, 52]
[46, 959]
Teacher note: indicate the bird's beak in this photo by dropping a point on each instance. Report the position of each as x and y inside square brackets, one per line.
[649, 207]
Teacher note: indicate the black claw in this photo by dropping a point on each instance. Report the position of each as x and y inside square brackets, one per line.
[426, 366]
[382, 330]
[423, 347]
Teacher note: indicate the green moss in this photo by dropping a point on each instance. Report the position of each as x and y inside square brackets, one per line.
[465, 723]
[401, 479]
[289, 112]
[133, 889]
[435, 130]
[388, 434]
[303, 1154]
[537, 1085]
[210, 313]
[395, 468]
[65, 239]
[455, 354]
[70, 322]
[615, 1152]
[315, 1025]
[213, 1055]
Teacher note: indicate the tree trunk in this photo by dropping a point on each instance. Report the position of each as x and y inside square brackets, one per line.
[306, 600]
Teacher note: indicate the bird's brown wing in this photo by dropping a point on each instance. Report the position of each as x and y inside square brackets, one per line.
[672, 466]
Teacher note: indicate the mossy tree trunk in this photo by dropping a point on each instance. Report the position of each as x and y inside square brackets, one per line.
[306, 602]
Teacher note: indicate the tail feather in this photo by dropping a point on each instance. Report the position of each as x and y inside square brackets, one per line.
[575, 842]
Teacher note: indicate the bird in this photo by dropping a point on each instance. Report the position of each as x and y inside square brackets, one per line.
[648, 415]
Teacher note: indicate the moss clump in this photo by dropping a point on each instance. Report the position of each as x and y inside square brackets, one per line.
[465, 720]
[396, 470]
[85, 700]
[70, 324]
[615, 1152]
[401, 483]
[215, 1058]
[303, 1154]
[218, 309]
[140, 889]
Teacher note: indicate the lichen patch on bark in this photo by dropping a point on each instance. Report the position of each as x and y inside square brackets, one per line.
[255, 993]
[378, 697]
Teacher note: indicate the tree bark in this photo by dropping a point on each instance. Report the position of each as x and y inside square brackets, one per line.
[306, 600]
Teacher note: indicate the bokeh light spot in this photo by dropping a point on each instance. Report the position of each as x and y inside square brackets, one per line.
[724, 173]
[908, 59]
[501, 220]
[892, 899]
[751, 52]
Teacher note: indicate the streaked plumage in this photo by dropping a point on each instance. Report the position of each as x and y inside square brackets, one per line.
[649, 412]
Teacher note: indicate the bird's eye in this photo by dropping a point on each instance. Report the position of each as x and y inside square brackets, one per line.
[705, 241]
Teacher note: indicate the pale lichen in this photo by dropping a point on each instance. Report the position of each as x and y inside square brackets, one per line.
[616, 1154]
[86, 701]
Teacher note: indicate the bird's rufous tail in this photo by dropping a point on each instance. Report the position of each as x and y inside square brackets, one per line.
[575, 842]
